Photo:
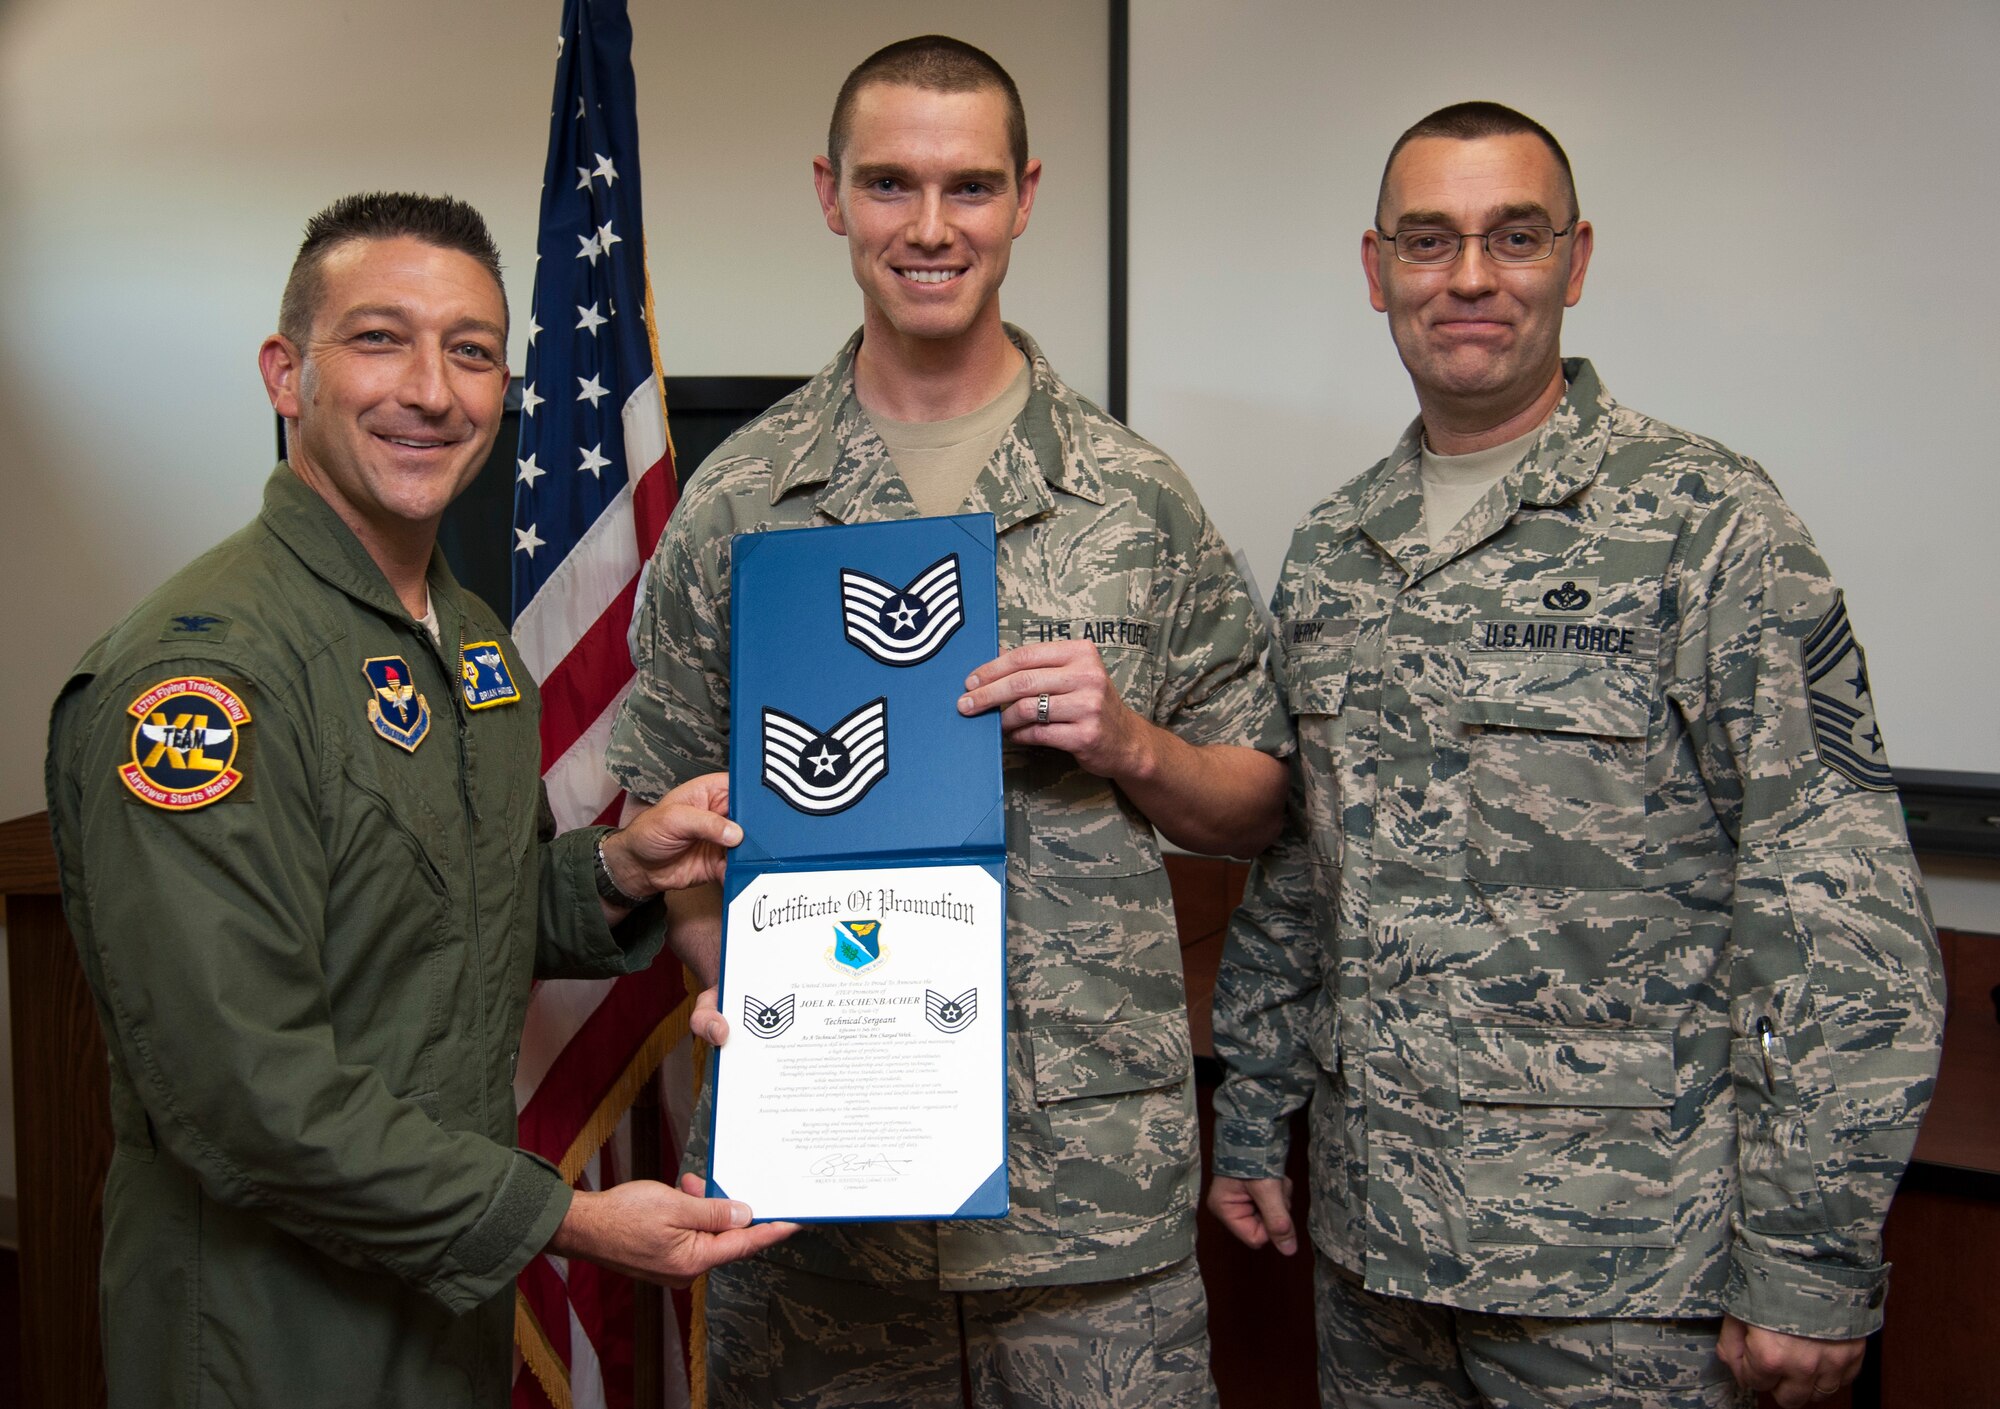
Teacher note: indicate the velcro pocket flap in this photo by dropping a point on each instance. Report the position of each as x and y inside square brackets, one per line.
[1559, 694]
[1105, 1059]
[1565, 1066]
[1314, 676]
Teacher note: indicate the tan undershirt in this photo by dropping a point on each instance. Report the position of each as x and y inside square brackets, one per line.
[1454, 483]
[429, 620]
[939, 460]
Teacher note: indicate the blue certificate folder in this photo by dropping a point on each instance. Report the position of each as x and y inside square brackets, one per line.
[849, 649]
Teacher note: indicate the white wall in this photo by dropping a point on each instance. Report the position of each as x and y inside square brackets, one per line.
[1796, 204]
[157, 163]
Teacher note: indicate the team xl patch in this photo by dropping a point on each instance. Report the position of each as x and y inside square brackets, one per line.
[395, 709]
[857, 943]
[826, 771]
[184, 743]
[951, 1014]
[484, 671]
[769, 1019]
[1843, 712]
[902, 625]
[195, 624]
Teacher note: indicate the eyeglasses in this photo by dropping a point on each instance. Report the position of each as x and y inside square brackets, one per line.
[1510, 244]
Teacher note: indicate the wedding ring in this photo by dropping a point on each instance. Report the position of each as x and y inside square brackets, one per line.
[1042, 709]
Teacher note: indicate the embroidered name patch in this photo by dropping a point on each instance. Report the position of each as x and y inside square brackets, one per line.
[902, 625]
[184, 743]
[396, 710]
[484, 670]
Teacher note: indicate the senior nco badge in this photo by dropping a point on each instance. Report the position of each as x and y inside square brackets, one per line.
[184, 743]
[484, 671]
[902, 625]
[395, 709]
[823, 771]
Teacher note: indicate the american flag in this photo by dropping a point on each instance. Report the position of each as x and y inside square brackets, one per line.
[594, 484]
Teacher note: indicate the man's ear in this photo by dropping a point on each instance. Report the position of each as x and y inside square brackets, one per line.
[826, 184]
[1371, 269]
[1031, 180]
[281, 366]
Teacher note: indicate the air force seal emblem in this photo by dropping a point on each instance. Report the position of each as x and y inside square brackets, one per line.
[951, 1014]
[826, 771]
[902, 625]
[769, 1019]
[184, 743]
[484, 670]
[857, 943]
[395, 709]
[1843, 712]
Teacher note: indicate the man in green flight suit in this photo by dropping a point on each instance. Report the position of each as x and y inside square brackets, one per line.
[310, 871]
[1596, 942]
[1132, 695]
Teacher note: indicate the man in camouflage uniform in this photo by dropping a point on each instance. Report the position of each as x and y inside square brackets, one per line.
[1132, 697]
[1596, 942]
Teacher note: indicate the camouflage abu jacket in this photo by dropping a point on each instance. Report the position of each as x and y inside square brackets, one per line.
[1595, 941]
[312, 983]
[1101, 539]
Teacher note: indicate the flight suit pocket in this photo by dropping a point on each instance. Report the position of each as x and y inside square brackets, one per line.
[1565, 1135]
[1120, 1106]
[1556, 750]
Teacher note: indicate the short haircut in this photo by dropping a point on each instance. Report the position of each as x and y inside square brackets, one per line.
[444, 221]
[940, 64]
[1466, 122]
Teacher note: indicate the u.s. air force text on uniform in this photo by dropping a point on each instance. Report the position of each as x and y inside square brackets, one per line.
[1595, 940]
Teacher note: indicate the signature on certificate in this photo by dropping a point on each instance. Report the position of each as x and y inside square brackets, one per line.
[833, 1166]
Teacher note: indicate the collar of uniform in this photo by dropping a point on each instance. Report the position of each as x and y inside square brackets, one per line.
[1565, 459]
[828, 440]
[307, 525]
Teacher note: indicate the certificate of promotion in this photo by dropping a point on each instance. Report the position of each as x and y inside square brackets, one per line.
[864, 936]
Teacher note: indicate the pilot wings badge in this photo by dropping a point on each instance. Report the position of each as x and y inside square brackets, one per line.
[769, 1019]
[951, 1014]
[902, 625]
[826, 771]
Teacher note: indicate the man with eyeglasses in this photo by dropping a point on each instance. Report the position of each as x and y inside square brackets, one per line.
[1595, 941]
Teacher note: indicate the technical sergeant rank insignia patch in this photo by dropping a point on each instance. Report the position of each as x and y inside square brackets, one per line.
[395, 709]
[902, 625]
[951, 1014]
[484, 670]
[1843, 712]
[184, 743]
[769, 1019]
[826, 771]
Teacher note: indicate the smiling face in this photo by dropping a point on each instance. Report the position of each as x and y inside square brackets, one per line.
[393, 403]
[929, 202]
[1481, 339]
